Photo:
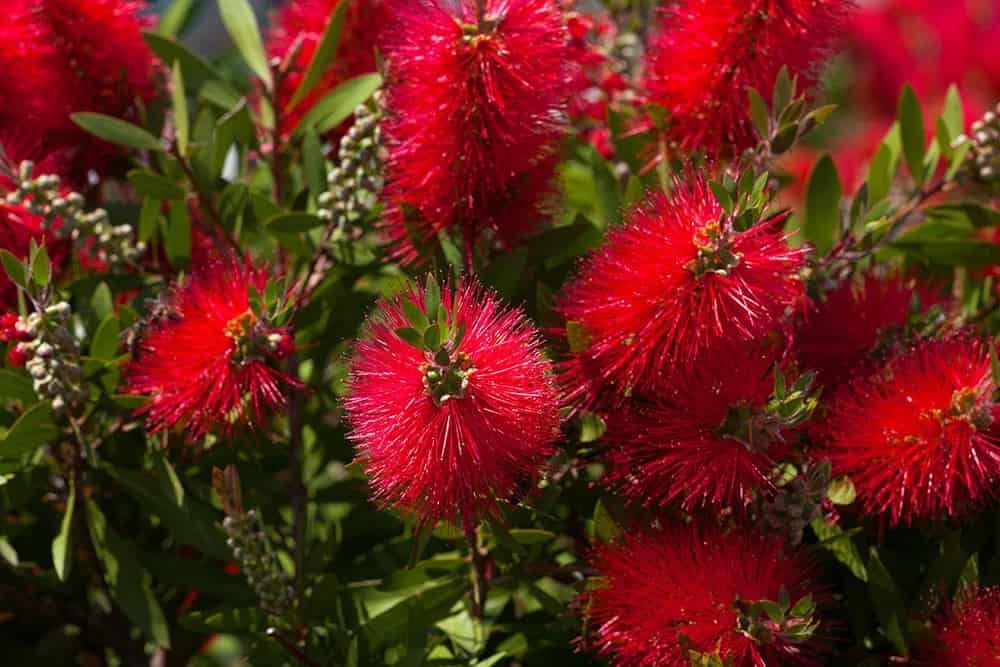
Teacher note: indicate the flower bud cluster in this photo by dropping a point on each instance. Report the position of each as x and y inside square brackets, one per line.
[355, 183]
[53, 359]
[984, 156]
[798, 503]
[256, 558]
[63, 214]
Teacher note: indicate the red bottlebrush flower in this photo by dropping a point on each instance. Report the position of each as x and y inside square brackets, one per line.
[475, 113]
[17, 356]
[837, 335]
[710, 52]
[306, 20]
[64, 56]
[704, 441]
[919, 439]
[969, 633]
[444, 437]
[203, 359]
[676, 280]
[684, 589]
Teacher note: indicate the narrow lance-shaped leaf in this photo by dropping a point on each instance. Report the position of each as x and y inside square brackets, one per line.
[182, 124]
[240, 22]
[911, 127]
[324, 54]
[823, 196]
[117, 131]
[62, 544]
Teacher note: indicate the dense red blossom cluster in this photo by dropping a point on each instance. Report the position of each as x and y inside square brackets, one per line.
[59, 57]
[452, 460]
[709, 52]
[475, 108]
[919, 437]
[679, 589]
[672, 284]
[203, 359]
[968, 635]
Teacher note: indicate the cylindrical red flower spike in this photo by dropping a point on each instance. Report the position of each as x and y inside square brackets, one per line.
[920, 438]
[706, 440]
[60, 57]
[709, 52]
[836, 336]
[475, 111]
[683, 592]
[969, 633]
[301, 24]
[448, 428]
[204, 358]
[675, 281]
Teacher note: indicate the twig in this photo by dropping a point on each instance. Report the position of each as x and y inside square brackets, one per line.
[480, 585]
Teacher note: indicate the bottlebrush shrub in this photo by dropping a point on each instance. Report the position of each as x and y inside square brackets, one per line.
[489, 332]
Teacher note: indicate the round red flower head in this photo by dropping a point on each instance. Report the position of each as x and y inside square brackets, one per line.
[65, 56]
[300, 25]
[675, 281]
[203, 358]
[452, 403]
[838, 334]
[476, 108]
[968, 635]
[670, 597]
[920, 438]
[709, 52]
[712, 438]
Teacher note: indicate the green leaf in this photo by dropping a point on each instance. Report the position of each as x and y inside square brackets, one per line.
[433, 337]
[155, 186]
[911, 129]
[241, 24]
[968, 253]
[8, 552]
[592, 427]
[606, 529]
[759, 114]
[840, 545]
[722, 196]
[429, 605]
[117, 131]
[432, 297]
[196, 68]
[193, 524]
[130, 585]
[841, 491]
[175, 17]
[16, 386]
[784, 138]
[102, 302]
[41, 267]
[313, 163]
[944, 139]
[577, 337]
[14, 268]
[233, 202]
[295, 222]
[411, 336]
[953, 114]
[783, 91]
[823, 194]
[178, 236]
[62, 544]
[104, 344]
[889, 605]
[182, 123]
[531, 535]
[880, 173]
[32, 429]
[149, 218]
[415, 316]
[324, 54]
[339, 104]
